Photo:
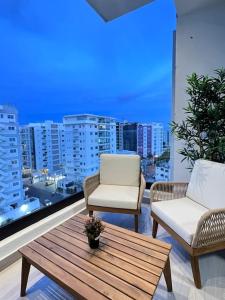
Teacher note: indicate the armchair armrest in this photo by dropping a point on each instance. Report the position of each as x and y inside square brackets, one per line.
[141, 190]
[210, 229]
[161, 191]
[90, 184]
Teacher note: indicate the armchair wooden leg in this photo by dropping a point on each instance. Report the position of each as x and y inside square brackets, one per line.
[136, 222]
[196, 271]
[90, 213]
[154, 228]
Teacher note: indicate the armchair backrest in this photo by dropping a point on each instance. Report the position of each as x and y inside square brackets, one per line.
[118, 169]
[207, 184]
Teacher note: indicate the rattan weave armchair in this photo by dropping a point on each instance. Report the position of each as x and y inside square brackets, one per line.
[118, 187]
[194, 213]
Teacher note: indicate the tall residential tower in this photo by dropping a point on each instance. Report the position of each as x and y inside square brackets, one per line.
[86, 137]
[11, 186]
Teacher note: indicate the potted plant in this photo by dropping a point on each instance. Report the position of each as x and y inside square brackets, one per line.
[203, 130]
[93, 229]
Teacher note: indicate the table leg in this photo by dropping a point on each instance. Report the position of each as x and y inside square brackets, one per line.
[167, 275]
[24, 276]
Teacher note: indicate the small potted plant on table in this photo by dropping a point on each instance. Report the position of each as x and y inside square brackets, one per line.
[93, 229]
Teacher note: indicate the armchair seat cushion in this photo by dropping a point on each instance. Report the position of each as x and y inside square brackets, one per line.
[181, 215]
[115, 196]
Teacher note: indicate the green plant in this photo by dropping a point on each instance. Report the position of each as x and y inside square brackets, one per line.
[203, 130]
[93, 227]
[164, 157]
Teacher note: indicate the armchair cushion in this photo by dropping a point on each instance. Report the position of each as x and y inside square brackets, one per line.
[115, 196]
[207, 184]
[121, 170]
[182, 215]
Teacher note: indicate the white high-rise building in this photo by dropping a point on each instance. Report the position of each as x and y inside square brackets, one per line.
[27, 147]
[157, 138]
[11, 186]
[86, 137]
[47, 140]
[62, 144]
[150, 139]
[13, 203]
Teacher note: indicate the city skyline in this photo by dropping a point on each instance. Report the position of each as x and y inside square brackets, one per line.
[43, 163]
[50, 68]
[60, 121]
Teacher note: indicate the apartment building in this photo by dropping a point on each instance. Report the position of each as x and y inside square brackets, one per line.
[43, 145]
[62, 144]
[86, 137]
[157, 138]
[126, 133]
[162, 172]
[166, 139]
[11, 186]
[119, 136]
[27, 147]
[145, 139]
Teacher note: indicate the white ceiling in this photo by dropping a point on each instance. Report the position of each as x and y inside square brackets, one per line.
[187, 6]
[111, 9]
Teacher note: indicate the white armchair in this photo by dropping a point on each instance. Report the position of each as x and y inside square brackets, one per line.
[193, 213]
[118, 187]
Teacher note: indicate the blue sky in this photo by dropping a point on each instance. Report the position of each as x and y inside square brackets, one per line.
[59, 57]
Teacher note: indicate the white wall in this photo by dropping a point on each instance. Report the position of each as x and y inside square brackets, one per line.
[200, 48]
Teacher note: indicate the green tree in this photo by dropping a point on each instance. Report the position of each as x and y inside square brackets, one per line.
[203, 130]
[164, 157]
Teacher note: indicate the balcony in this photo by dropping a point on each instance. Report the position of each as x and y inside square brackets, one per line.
[42, 287]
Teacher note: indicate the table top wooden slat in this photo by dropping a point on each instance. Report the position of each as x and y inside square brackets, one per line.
[119, 241]
[80, 240]
[126, 266]
[122, 248]
[130, 233]
[98, 268]
[120, 273]
[106, 290]
[127, 237]
[82, 250]
[66, 280]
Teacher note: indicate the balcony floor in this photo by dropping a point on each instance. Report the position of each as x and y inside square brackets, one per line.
[212, 271]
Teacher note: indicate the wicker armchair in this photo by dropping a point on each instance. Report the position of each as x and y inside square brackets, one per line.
[194, 213]
[118, 187]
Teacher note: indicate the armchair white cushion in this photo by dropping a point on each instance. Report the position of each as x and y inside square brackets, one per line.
[116, 196]
[207, 184]
[182, 215]
[120, 169]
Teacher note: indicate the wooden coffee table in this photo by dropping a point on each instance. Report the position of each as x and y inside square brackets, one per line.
[127, 265]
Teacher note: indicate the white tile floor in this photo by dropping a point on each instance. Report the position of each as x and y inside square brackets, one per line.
[212, 271]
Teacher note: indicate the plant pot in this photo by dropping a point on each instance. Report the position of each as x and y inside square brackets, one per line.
[93, 243]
